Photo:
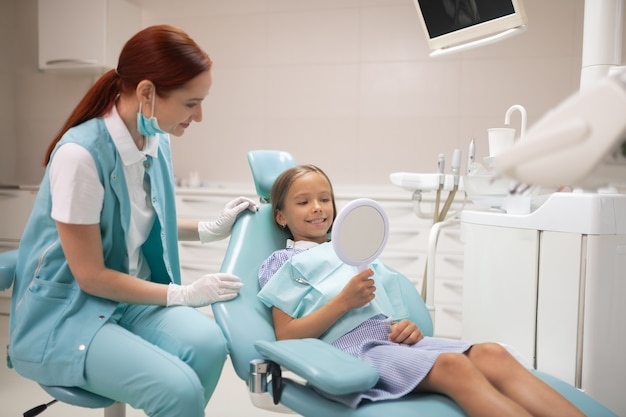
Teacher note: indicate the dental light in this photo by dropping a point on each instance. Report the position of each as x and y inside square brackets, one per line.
[580, 143]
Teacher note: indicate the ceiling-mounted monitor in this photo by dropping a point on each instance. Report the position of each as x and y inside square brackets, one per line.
[456, 25]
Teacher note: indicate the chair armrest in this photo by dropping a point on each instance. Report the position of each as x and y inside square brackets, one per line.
[7, 268]
[320, 364]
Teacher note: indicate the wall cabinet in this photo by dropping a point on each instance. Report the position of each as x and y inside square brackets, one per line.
[84, 36]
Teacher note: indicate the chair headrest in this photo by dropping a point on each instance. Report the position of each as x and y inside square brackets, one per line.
[266, 166]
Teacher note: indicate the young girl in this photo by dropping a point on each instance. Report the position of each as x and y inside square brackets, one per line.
[354, 313]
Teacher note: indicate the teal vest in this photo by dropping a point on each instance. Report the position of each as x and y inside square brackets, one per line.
[316, 275]
[52, 321]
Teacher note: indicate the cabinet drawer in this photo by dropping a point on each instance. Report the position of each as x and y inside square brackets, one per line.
[401, 214]
[202, 253]
[448, 321]
[8, 244]
[407, 239]
[449, 266]
[450, 240]
[207, 204]
[190, 272]
[409, 264]
[449, 292]
[200, 207]
[15, 206]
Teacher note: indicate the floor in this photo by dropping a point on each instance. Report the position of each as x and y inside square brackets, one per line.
[18, 394]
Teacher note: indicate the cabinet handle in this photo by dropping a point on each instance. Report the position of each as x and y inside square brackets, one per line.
[458, 263]
[190, 244]
[6, 240]
[195, 200]
[454, 285]
[72, 61]
[453, 310]
[201, 268]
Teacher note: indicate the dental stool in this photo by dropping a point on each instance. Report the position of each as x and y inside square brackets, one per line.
[259, 360]
[70, 395]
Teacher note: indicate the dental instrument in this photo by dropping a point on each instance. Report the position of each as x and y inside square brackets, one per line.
[456, 170]
[441, 162]
[438, 216]
[440, 170]
[471, 155]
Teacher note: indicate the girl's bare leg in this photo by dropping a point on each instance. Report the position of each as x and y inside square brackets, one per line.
[454, 375]
[508, 376]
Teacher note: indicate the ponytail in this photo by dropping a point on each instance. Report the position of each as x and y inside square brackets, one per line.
[162, 54]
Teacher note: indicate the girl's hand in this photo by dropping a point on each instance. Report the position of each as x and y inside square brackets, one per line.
[359, 290]
[405, 332]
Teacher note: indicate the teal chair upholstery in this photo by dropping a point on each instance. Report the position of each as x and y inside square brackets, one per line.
[70, 395]
[254, 351]
[266, 165]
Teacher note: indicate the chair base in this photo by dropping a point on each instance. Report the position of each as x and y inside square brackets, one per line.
[115, 410]
[80, 398]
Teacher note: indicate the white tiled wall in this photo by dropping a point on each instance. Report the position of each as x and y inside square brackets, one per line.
[336, 82]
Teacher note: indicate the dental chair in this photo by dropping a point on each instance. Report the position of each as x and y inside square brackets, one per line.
[280, 374]
[70, 395]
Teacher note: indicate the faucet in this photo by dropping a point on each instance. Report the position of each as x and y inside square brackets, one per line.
[522, 110]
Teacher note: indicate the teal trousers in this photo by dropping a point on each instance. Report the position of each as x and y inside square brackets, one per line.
[165, 361]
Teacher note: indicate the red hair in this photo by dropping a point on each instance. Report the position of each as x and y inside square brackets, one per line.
[163, 54]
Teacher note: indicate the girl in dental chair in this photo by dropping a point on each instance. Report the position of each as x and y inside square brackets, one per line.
[483, 379]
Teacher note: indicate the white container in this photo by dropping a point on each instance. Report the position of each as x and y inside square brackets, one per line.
[501, 139]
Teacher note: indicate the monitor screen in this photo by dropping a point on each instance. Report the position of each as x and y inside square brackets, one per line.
[452, 25]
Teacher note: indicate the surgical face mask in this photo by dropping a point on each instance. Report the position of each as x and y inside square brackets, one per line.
[148, 127]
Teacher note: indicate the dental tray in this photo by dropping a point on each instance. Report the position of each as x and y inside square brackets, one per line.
[423, 182]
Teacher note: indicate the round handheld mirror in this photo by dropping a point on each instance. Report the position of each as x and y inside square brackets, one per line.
[360, 232]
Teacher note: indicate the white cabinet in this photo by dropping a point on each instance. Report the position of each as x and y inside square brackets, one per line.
[15, 208]
[500, 286]
[551, 284]
[84, 36]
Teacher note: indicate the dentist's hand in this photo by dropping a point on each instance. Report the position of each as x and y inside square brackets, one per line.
[220, 228]
[207, 290]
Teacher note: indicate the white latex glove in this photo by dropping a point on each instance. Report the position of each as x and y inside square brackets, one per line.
[207, 290]
[220, 228]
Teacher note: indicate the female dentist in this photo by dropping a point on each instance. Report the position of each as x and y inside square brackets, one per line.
[97, 300]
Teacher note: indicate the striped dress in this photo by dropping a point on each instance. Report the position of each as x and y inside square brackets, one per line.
[400, 367]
